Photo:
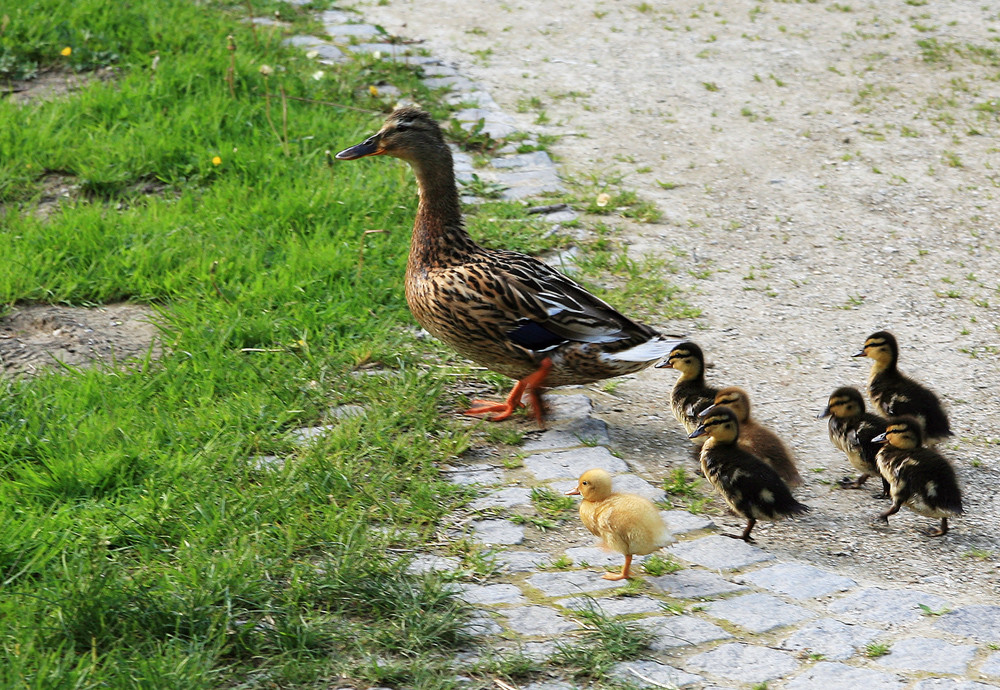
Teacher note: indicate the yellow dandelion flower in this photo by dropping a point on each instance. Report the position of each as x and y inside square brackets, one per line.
[216, 161]
[373, 90]
[66, 52]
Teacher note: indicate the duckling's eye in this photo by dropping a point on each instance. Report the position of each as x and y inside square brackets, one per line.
[586, 483]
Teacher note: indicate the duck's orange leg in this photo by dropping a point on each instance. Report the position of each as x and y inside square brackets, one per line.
[529, 384]
[623, 575]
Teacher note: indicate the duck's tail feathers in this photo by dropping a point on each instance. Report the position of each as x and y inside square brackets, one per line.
[649, 351]
[798, 508]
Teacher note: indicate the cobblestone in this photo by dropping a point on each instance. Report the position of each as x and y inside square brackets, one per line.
[720, 553]
[836, 641]
[827, 675]
[744, 663]
[799, 581]
[926, 654]
[758, 612]
[875, 604]
[695, 584]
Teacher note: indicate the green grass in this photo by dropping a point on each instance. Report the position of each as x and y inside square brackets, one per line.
[603, 642]
[143, 546]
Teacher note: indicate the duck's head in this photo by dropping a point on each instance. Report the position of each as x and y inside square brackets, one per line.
[721, 424]
[844, 402]
[880, 346]
[902, 432]
[408, 133]
[687, 358]
[733, 397]
[594, 485]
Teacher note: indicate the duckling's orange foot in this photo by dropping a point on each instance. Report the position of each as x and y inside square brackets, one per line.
[614, 576]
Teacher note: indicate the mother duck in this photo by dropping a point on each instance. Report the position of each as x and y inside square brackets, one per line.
[503, 310]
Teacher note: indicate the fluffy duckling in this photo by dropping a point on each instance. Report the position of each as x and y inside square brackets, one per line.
[749, 486]
[690, 394]
[509, 312]
[920, 478]
[756, 438]
[853, 431]
[897, 395]
[626, 523]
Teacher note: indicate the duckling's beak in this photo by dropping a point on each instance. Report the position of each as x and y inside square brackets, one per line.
[859, 353]
[368, 147]
[663, 364]
[824, 413]
[700, 431]
[881, 438]
[573, 492]
[707, 411]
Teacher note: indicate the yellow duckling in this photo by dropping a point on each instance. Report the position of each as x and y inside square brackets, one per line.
[626, 523]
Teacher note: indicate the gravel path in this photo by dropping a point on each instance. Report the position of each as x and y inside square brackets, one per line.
[825, 170]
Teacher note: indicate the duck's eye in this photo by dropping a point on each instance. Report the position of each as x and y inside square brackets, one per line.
[403, 126]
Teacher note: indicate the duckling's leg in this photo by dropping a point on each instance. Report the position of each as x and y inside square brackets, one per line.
[846, 483]
[623, 575]
[893, 509]
[532, 383]
[746, 532]
[939, 532]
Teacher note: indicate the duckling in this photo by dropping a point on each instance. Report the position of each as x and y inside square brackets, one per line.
[897, 395]
[690, 394]
[852, 430]
[756, 438]
[508, 312]
[626, 523]
[748, 485]
[920, 478]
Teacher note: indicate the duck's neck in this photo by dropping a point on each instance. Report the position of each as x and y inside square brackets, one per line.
[693, 375]
[880, 366]
[439, 237]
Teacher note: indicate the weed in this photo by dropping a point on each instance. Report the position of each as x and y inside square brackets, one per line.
[928, 611]
[873, 650]
[657, 565]
[552, 504]
[604, 642]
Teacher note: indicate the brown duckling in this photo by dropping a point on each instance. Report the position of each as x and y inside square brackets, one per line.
[748, 485]
[509, 312]
[690, 394]
[895, 394]
[626, 523]
[919, 477]
[853, 431]
[757, 438]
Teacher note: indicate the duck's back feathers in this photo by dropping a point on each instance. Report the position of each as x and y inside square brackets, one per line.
[769, 447]
[897, 395]
[921, 479]
[626, 523]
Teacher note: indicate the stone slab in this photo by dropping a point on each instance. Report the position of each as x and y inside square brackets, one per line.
[683, 522]
[694, 584]
[886, 605]
[588, 556]
[573, 406]
[491, 594]
[991, 667]
[428, 562]
[758, 612]
[521, 561]
[670, 632]
[952, 684]
[537, 620]
[745, 663]
[535, 159]
[835, 640]
[613, 606]
[980, 622]
[474, 474]
[481, 625]
[570, 464]
[504, 498]
[579, 432]
[798, 581]
[720, 553]
[634, 484]
[827, 675]
[560, 584]
[653, 674]
[927, 654]
[496, 532]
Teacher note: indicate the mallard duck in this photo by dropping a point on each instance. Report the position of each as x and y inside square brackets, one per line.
[853, 431]
[508, 312]
[626, 523]
[920, 478]
[690, 394]
[897, 395]
[748, 485]
[756, 438]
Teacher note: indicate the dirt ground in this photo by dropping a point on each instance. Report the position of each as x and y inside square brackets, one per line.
[825, 170]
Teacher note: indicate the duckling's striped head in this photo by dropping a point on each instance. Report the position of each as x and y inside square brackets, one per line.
[686, 358]
[721, 424]
[844, 402]
[902, 432]
[880, 346]
[594, 485]
[408, 133]
[733, 397]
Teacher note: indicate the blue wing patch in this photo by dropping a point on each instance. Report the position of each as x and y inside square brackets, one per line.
[534, 336]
